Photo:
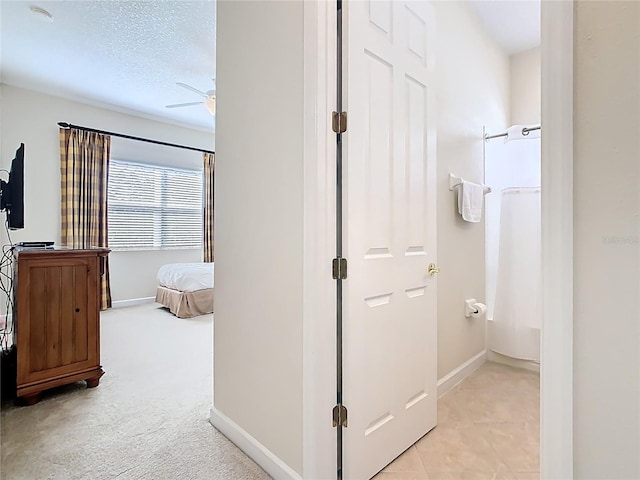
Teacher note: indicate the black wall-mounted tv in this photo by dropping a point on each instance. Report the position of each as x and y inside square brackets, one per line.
[12, 192]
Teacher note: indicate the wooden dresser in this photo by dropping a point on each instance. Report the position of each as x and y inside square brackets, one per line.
[57, 318]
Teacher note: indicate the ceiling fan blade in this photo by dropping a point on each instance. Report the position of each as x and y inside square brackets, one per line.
[175, 105]
[189, 87]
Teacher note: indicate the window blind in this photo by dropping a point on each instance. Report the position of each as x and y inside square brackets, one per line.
[152, 207]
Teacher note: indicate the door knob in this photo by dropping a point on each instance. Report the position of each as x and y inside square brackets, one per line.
[432, 269]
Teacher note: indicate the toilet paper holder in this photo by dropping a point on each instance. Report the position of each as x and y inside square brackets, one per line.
[473, 308]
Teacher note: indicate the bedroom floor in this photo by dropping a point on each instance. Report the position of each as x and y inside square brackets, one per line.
[148, 417]
[146, 420]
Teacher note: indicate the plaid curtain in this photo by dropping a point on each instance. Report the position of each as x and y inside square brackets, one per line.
[209, 168]
[84, 168]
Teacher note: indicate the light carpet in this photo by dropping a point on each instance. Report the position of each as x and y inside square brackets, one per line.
[148, 418]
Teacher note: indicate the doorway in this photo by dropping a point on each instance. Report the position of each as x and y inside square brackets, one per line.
[322, 370]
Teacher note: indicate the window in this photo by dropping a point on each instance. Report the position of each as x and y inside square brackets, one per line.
[153, 207]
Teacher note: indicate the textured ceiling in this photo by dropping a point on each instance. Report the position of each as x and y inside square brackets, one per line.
[127, 54]
[130, 54]
[514, 24]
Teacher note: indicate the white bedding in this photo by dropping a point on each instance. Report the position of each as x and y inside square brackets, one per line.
[186, 277]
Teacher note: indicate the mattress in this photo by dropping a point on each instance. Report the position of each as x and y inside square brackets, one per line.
[186, 277]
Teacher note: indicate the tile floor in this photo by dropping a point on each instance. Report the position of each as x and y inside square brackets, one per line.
[488, 428]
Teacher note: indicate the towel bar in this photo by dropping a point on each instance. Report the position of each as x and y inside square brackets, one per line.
[455, 181]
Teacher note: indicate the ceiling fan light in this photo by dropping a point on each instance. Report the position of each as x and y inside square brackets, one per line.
[210, 103]
[41, 13]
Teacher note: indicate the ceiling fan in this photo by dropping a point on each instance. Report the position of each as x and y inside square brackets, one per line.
[209, 99]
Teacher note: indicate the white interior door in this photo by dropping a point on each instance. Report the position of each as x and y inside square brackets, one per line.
[390, 370]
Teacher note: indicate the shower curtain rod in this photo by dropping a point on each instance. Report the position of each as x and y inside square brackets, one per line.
[525, 132]
[131, 137]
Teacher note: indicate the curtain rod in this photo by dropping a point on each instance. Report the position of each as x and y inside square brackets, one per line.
[525, 132]
[131, 137]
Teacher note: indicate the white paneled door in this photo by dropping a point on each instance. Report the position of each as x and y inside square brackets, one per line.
[390, 375]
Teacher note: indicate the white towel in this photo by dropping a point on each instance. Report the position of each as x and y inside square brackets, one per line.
[470, 198]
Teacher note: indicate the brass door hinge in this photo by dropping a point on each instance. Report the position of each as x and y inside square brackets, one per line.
[339, 268]
[340, 416]
[339, 122]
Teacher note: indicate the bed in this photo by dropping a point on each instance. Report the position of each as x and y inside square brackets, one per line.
[186, 289]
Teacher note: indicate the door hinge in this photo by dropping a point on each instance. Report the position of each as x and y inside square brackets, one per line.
[339, 122]
[339, 268]
[340, 416]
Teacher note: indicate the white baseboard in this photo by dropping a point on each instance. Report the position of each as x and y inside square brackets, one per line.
[512, 362]
[269, 462]
[132, 302]
[458, 374]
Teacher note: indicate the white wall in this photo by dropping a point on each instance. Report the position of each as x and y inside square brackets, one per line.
[473, 90]
[606, 388]
[31, 118]
[259, 243]
[133, 274]
[525, 87]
